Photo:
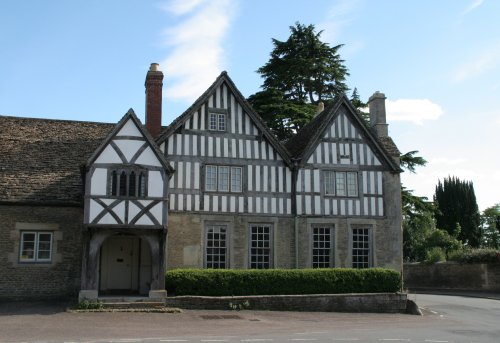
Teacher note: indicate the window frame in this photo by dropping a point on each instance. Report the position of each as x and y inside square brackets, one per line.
[269, 248]
[36, 247]
[331, 249]
[230, 184]
[115, 182]
[369, 255]
[226, 248]
[217, 121]
[333, 179]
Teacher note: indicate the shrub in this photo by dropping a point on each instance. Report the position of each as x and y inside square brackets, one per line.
[90, 305]
[475, 256]
[219, 282]
[435, 254]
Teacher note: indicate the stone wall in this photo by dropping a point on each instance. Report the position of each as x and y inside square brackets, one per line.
[185, 246]
[376, 302]
[55, 279]
[452, 276]
[186, 232]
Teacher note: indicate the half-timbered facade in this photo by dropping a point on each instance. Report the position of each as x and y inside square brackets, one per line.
[233, 179]
[106, 208]
[125, 212]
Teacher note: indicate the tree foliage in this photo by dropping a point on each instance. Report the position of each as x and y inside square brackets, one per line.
[301, 72]
[457, 207]
[490, 225]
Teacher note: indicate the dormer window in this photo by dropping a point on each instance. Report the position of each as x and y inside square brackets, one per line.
[217, 122]
[127, 182]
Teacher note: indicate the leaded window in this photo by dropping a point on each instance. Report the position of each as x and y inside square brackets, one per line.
[223, 178]
[36, 246]
[127, 182]
[361, 248]
[341, 183]
[216, 253]
[261, 247]
[217, 122]
[322, 247]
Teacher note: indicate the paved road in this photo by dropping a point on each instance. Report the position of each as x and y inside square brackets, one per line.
[445, 319]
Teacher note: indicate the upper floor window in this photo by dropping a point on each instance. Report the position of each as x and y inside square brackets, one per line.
[341, 183]
[128, 182]
[36, 246]
[223, 178]
[217, 122]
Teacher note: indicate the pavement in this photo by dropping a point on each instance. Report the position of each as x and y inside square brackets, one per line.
[461, 293]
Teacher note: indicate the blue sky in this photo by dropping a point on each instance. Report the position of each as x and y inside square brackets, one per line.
[438, 62]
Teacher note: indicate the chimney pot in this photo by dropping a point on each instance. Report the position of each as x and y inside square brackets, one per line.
[321, 107]
[153, 84]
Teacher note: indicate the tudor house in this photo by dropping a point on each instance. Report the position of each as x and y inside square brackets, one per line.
[95, 208]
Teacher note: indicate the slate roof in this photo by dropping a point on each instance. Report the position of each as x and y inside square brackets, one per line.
[302, 143]
[41, 159]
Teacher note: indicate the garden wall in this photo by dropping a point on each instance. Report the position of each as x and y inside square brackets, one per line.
[373, 302]
[452, 276]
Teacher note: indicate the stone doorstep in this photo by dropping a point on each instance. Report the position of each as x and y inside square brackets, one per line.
[128, 302]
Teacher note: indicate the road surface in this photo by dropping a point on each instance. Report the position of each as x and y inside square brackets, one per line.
[446, 319]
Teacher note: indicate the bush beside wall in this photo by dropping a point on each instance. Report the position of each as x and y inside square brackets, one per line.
[213, 282]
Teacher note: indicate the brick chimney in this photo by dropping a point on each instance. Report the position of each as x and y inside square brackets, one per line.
[153, 84]
[376, 105]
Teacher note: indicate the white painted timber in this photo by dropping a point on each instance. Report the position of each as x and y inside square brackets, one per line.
[129, 129]
[99, 181]
[108, 155]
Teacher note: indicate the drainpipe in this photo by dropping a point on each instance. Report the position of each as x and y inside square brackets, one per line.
[295, 169]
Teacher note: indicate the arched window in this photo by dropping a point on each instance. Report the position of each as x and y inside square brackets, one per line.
[132, 184]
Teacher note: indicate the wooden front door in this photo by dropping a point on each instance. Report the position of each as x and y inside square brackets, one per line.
[120, 257]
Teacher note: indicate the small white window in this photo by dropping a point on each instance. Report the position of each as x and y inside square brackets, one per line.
[223, 179]
[36, 247]
[235, 179]
[211, 178]
[352, 184]
[217, 122]
[329, 183]
[340, 183]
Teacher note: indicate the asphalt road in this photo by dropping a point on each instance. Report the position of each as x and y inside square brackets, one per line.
[445, 319]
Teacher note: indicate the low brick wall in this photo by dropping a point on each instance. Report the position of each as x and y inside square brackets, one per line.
[373, 302]
[452, 276]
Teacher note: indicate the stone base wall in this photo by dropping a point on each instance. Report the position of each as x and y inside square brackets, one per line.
[376, 302]
[186, 237]
[452, 276]
[55, 279]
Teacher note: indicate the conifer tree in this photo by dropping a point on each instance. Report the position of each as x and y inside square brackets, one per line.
[457, 208]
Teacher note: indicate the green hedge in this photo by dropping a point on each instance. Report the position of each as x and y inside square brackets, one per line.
[219, 282]
[475, 256]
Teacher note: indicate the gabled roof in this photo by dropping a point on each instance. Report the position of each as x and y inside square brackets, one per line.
[41, 159]
[130, 115]
[303, 144]
[257, 120]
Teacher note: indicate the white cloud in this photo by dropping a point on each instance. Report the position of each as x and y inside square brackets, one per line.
[180, 7]
[481, 64]
[197, 56]
[473, 5]
[338, 17]
[413, 110]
